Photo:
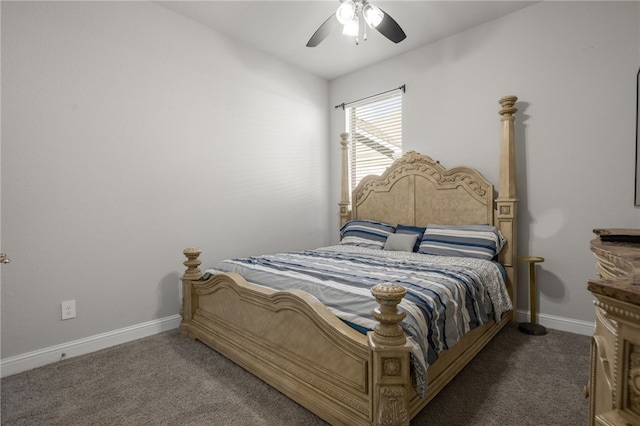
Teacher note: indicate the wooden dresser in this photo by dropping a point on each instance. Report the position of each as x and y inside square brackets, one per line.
[614, 384]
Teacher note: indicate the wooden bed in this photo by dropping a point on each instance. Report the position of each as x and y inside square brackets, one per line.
[295, 344]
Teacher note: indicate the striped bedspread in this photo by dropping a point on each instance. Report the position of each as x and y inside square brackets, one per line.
[446, 296]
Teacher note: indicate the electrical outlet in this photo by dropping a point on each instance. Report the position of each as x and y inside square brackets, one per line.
[68, 309]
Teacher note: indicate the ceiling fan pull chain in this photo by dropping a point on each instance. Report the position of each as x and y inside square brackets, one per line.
[365, 32]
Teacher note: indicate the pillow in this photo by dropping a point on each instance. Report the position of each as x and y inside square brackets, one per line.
[480, 241]
[365, 233]
[400, 242]
[404, 229]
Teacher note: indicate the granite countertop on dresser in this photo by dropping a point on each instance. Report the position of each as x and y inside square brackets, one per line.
[618, 264]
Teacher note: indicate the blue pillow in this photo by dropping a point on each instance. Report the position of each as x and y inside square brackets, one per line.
[479, 241]
[405, 229]
[365, 233]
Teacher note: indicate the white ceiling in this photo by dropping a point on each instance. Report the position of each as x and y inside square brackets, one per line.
[282, 28]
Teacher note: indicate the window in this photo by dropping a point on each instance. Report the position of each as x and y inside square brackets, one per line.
[375, 125]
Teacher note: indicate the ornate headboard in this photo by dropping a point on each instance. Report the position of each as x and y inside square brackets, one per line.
[416, 190]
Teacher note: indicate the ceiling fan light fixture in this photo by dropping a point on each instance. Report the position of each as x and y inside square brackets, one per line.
[346, 12]
[372, 15]
[347, 16]
[352, 28]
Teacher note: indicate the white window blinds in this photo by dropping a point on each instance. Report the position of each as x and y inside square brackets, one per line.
[375, 126]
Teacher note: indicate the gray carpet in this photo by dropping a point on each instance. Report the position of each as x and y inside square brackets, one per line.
[170, 380]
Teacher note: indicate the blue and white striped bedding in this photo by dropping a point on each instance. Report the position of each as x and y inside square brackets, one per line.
[446, 296]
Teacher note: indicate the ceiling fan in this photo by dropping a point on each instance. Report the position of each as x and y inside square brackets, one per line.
[347, 15]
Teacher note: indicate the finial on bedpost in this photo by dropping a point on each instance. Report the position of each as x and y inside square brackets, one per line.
[345, 199]
[508, 103]
[192, 263]
[388, 331]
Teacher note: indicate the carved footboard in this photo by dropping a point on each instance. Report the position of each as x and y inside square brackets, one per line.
[295, 344]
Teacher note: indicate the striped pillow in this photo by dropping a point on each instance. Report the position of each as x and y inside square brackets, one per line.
[365, 233]
[479, 241]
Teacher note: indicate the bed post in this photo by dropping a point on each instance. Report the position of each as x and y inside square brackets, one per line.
[506, 203]
[345, 199]
[188, 297]
[390, 365]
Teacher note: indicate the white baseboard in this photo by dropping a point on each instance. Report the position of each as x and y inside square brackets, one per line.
[19, 363]
[30, 360]
[559, 323]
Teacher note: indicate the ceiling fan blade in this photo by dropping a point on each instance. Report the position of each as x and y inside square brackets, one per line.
[324, 30]
[390, 29]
